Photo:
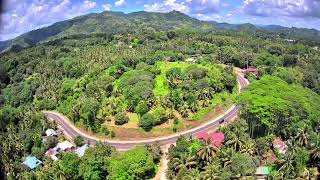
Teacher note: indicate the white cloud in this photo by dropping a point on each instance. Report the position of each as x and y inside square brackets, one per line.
[107, 7]
[24, 15]
[192, 7]
[289, 8]
[120, 3]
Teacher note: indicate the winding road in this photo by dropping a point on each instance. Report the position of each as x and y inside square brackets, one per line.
[72, 131]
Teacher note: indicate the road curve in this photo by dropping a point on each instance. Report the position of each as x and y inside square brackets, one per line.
[73, 131]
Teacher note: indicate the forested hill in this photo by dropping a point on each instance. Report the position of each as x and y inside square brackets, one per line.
[106, 23]
[303, 35]
[118, 23]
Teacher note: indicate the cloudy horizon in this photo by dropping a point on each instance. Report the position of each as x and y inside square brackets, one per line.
[21, 16]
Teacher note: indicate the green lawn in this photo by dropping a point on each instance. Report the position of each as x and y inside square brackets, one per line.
[161, 88]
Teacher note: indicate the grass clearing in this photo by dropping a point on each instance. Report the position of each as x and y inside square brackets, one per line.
[161, 88]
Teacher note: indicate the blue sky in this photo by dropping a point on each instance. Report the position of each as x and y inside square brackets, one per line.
[21, 16]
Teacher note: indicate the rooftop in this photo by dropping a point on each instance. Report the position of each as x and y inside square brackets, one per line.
[81, 150]
[32, 162]
[216, 138]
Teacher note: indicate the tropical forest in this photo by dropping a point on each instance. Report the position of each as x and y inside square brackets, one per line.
[149, 95]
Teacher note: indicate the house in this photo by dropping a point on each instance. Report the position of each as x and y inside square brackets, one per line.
[280, 146]
[64, 146]
[81, 150]
[262, 173]
[216, 138]
[32, 162]
[51, 132]
[191, 60]
[250, 70]
[167, 59]
[52, 154]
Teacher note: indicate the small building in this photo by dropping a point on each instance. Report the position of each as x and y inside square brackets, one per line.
[52, 154]
[193, 60]
[32, 162]
[250, 70]
[280, 146]
[81, 150]
[64, 146]
[262, 173]
[167, 59]
[51, 132]
[216, 138]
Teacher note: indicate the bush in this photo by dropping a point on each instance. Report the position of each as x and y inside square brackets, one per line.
[147, 121]
[104, 130]
[142, 108]
[112, 134]
[121, 119]
[160, 115]
[78, 141]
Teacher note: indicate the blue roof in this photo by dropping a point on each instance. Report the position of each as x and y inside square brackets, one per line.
[32, 162]
[263, 170]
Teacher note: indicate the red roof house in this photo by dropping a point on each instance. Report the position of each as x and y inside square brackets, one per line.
[252, 70]
[280, 145]
[216, 138]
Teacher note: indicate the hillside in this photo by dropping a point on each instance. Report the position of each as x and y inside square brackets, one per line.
[106, 22]
[120, 23]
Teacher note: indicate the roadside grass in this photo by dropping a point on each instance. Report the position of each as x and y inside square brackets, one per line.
[223, 99]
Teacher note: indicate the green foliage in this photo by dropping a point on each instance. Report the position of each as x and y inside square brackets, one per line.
[243, 165]
[68, 165]
[273, 104]
[136, 163]
[78, 141]
[121, 119]
[93, 71]
[142, 108]
[147, 121]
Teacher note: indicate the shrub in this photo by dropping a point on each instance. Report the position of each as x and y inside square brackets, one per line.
[78, 141]
[147, 121]
[121, 119]
[160, 115]
[104, 130]
[112, 134]
[142, 108]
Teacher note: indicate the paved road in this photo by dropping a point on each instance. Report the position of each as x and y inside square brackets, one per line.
[73, 131]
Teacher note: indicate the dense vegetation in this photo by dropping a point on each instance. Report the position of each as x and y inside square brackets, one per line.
[271, 109]
[100, 162]
[91, 78]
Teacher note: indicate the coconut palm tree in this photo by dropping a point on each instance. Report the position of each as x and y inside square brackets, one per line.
[212, 172]
[302, 137]
[249, 149]
[184, 110]
[225, 156]
[208, 151]
[185, 160]
[236, 141]
[287, 165]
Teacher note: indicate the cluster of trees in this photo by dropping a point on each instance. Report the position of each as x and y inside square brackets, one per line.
[100, 162]
[271, 109]
[80, 76]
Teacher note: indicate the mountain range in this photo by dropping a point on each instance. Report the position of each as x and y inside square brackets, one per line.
[119, 23]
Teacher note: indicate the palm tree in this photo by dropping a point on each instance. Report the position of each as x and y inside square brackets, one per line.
[194, 174]
[225, 156]
[184, 110]
[249, 149]
[184, 161]
[287, 165]
[208, 151]
[236, 141]
[212, 172]
[302, 137]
